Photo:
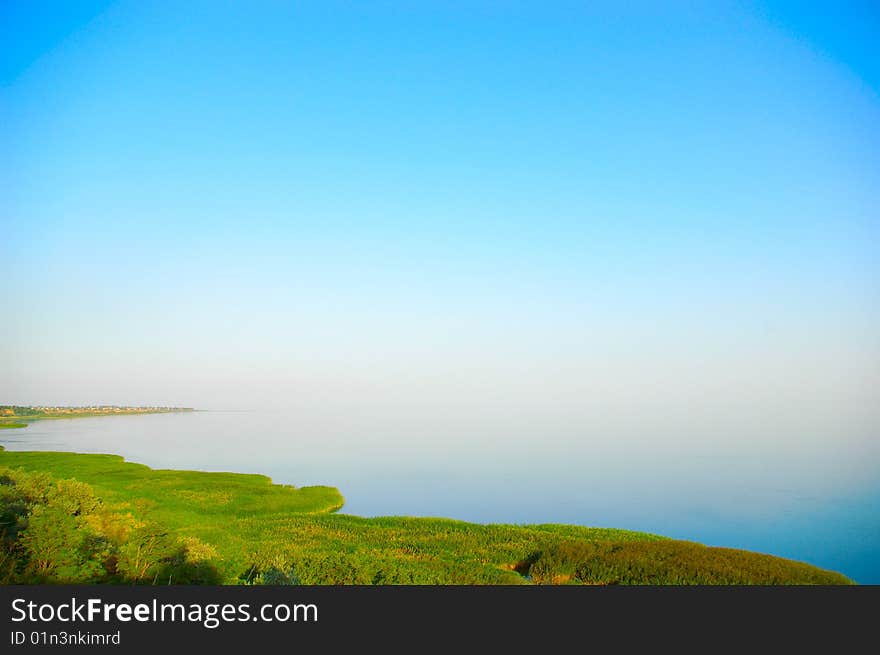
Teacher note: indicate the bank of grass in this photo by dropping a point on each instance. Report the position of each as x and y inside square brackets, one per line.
[11, 424]
[256, 531]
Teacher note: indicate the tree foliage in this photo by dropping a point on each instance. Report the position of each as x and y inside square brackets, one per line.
[59, 531]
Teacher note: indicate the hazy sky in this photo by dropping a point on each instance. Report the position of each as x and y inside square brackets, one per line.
[502, 212]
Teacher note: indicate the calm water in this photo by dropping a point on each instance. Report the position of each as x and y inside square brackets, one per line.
[811, 503]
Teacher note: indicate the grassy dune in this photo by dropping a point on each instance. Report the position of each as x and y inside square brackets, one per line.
[256, 531]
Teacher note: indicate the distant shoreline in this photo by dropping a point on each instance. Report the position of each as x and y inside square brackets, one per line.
[20, 416]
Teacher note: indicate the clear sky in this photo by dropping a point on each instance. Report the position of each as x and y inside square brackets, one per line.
[667, 212]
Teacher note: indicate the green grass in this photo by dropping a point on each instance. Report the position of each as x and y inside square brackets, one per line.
[258, 528]
[11, 424]
[177, 498]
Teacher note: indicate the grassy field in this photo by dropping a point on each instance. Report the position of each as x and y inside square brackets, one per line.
[244, 529]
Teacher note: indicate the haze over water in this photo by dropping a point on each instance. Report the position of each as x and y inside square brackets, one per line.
[496, 261]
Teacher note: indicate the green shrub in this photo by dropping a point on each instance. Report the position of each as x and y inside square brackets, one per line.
[667, 562]
[61, 532]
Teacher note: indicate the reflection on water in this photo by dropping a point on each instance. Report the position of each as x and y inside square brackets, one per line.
[811, 504]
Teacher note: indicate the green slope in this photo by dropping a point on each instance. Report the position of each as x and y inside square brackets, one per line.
[259, 531]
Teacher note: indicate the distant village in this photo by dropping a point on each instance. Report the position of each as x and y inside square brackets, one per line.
[54, 410]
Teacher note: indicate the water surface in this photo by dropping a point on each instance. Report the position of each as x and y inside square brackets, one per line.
[813, 503]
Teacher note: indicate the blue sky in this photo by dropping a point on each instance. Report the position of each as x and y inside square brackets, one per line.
[424, 204]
